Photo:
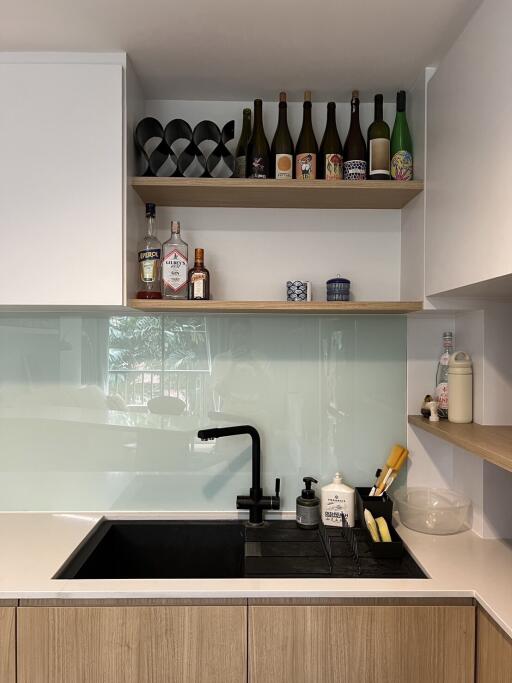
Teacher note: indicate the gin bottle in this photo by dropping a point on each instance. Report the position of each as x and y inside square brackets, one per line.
[442, 375]
[149, 253]
[175, 265]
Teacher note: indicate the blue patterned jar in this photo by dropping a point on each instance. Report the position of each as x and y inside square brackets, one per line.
[338, 289]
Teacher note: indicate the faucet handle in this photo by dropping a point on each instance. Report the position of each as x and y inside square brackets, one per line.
[278, 487]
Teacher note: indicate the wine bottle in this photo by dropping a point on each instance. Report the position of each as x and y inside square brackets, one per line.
[199, 278]
[281, 150]
[378, 144]
[401, 143]
[307, 149]
[354, 162]
[330, 156]
[241, 148]
[258, 151]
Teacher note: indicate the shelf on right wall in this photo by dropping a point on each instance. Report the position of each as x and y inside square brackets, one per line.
[490, 443]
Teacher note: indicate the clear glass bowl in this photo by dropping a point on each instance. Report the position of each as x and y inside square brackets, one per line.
[433, 511]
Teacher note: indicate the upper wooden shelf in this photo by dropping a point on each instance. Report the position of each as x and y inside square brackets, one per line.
[490, 443]
[332, 307]
[277, 194]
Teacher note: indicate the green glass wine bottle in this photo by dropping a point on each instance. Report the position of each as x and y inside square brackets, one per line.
[258, 151]
[378, 144]
[281, 150]
[306, 151]
[330, 155]
[401, 143]
[241, 148]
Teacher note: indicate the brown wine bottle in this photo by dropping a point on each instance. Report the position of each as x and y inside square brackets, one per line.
[241, 148]
[281, 150]
[306, 151]
[354, 162]
[258, 151]
[199, 278]
[330, 156]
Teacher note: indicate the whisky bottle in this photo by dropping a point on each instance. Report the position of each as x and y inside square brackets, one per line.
[149, 253]
[199, 278]
[175, 265]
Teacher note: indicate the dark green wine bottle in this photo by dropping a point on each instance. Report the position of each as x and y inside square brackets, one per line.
[281, 150]
[241, 148]
[378, 144]
[258, 151]
[401, 143]
[307, 148]
[330, 155]
[354, 162]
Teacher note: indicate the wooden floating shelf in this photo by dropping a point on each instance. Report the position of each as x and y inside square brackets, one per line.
[330, 307]
[490, 443]
[277, 194]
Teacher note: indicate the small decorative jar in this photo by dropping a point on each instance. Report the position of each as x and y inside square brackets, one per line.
[338, 289]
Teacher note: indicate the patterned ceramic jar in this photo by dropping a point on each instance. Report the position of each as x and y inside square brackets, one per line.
[338, 289]
[297, 290]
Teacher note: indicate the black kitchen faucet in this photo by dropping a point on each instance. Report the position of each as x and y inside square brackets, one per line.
[255, 502]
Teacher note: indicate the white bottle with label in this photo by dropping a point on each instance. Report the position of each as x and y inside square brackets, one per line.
[337, 499]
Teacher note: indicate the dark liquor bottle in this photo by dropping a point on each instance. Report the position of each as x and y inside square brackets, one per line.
[354, 162]
[281, 150]
[378, 144]
[330, 156]
[306, 151]
[258, 151]
[241, 148]
[150, 252]
[401, 143]
[199, 278]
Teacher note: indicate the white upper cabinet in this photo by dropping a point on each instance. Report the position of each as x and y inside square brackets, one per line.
[468, 197]
[61, 184]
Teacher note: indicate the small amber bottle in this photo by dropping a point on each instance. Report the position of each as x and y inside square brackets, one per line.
[199, 278]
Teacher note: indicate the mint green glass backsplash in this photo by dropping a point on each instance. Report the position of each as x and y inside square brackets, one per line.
[101, 413]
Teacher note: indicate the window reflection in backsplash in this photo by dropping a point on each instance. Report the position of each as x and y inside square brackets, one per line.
[101, 413]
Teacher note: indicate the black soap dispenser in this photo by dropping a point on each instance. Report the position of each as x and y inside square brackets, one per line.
[308, 506]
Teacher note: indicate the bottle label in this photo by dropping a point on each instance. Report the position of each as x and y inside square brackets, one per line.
[401, 166]
[284, 166]
[258, 168]
[309, 515]
[305, 166]
[336, 506]
[149, 260]
[239, 167]
[379, 157]
[174, 270]
[333, 167]
[197, 285]
[442, 395]
[354, 170]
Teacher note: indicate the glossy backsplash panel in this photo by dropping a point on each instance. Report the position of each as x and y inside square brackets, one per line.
[102, 413]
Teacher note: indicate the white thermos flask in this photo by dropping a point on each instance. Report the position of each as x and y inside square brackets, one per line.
[460, 388]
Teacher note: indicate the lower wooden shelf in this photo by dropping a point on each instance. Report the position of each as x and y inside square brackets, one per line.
[490, 443]
[330, 307]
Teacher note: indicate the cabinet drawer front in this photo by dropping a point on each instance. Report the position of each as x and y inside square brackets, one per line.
[361, 644]
[132, 644]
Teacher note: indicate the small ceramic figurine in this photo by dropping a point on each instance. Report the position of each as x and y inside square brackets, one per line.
[433, 406]
[425, 410]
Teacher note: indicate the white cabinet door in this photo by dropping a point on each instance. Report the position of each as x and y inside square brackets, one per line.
[468, 198]
[61, 184]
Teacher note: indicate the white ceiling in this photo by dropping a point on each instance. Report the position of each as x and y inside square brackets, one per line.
[240, 49]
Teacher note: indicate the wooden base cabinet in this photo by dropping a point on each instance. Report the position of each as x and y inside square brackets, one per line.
[189, 644]
[494, 652]
[330, 644]
[7, 645]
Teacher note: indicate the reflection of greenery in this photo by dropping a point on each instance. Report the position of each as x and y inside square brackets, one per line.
[134, 343]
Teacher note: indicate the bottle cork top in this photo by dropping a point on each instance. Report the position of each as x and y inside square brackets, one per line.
[282, 97]
[355, 93]
[175, 226]
[307, 96]
[199, 255]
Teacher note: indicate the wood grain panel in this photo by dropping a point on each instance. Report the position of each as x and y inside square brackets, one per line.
[275, 194]
[492, 443]
[132, 644]
[362, 644]
[7, 645]
[494, 652]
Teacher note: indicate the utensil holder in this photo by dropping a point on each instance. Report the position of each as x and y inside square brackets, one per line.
[379, 506]
[386, 551]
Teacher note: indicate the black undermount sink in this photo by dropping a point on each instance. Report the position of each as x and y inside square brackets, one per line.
[177, 549]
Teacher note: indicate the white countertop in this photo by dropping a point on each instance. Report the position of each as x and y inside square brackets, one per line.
[35, 545]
